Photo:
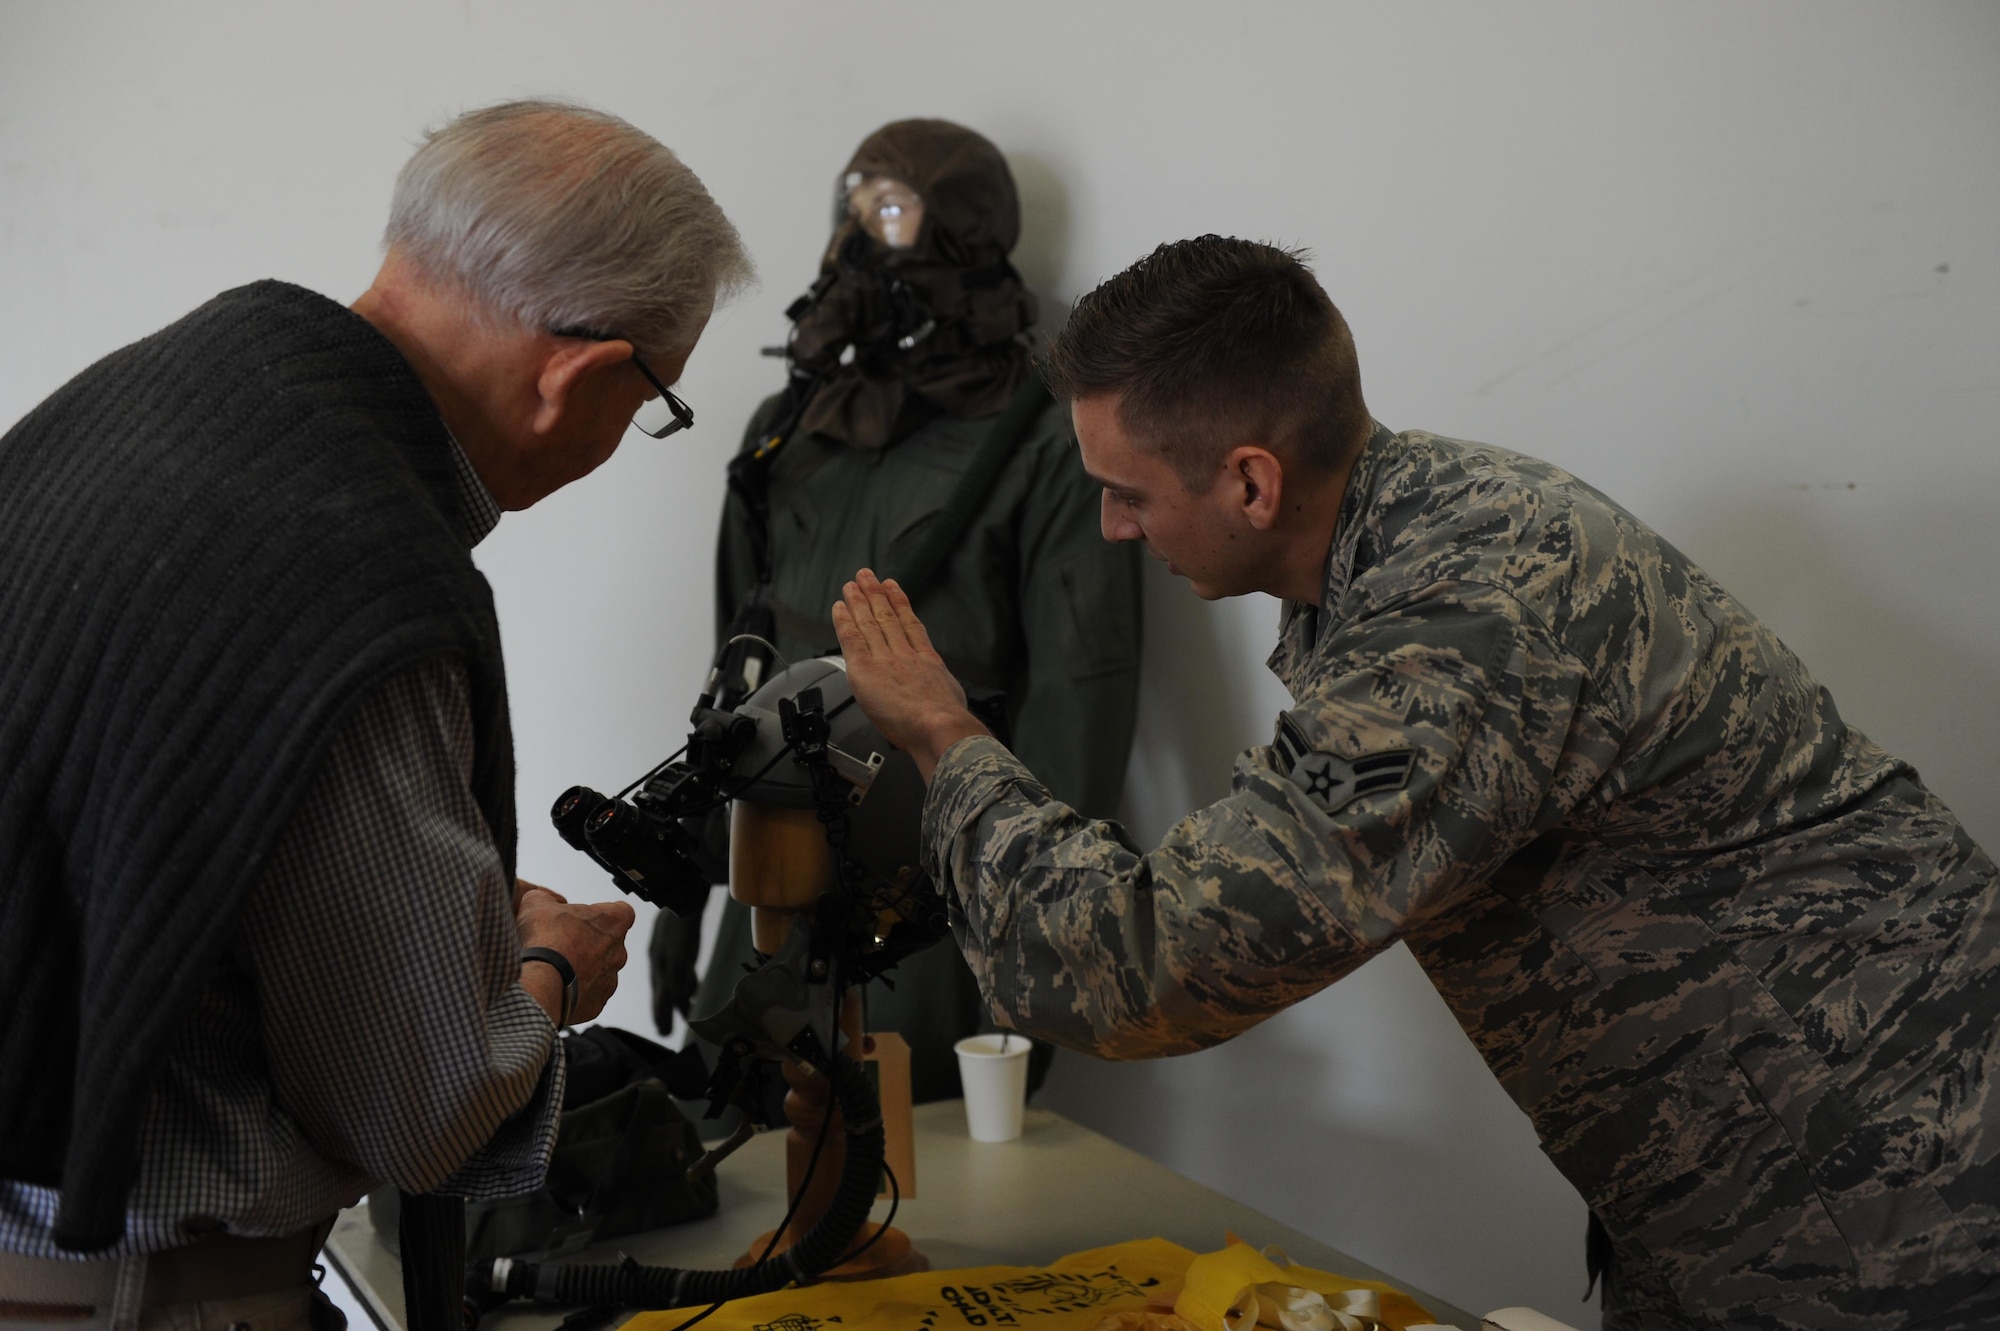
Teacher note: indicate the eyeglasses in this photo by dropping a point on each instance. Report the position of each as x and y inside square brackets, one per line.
[658, 417]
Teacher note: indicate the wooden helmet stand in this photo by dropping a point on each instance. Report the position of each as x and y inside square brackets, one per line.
[779, 865]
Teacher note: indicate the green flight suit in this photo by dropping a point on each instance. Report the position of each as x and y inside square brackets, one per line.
[1034, 604]
[1737, 965]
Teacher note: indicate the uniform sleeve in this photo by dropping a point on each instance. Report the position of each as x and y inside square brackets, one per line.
[1436, 743]
[1080, 623]
[387, 965]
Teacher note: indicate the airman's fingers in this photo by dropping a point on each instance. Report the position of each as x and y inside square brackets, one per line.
[883, 608]
[913, 628]
[870, 616]
[853, 642]
[860, 618]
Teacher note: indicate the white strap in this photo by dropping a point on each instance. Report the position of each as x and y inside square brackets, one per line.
[130, 1294]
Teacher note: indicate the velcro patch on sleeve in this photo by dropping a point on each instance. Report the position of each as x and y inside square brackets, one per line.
[1331, 780]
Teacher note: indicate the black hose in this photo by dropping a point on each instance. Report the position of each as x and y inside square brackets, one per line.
[630, 1285]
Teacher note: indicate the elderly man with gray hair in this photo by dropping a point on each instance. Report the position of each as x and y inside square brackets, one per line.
[261, 943]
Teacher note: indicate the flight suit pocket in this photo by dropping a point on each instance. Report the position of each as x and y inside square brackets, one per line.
[903, 554]
[1694, 1170]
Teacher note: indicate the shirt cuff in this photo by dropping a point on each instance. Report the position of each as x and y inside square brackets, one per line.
[516, 1158]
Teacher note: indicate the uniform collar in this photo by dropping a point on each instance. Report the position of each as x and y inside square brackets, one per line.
[1299, 623]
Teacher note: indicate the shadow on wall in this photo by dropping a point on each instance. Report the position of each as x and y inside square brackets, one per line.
[1203, 698]
[1871, 593]
[1044, 243]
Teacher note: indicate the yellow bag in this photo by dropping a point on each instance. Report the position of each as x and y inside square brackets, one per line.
[1073, 1293]
[1223, 1290]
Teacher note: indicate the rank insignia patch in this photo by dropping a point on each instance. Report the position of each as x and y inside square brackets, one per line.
[1332, 781]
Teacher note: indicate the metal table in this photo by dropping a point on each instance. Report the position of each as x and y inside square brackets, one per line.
[1060, 1188]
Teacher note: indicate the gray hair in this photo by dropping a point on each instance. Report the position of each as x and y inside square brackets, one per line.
[559, 216]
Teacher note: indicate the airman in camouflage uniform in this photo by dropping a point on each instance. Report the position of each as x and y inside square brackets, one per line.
[1734, 961]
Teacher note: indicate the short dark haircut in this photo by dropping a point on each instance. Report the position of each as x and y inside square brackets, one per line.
[1214, 341]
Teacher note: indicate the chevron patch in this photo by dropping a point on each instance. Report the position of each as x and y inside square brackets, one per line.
[1331, 781]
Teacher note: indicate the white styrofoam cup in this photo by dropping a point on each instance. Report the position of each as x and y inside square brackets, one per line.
[994, 1072]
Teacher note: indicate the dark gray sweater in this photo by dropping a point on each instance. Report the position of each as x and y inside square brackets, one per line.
[213, 542]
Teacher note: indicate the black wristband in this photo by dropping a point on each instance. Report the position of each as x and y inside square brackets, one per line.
[548, 956]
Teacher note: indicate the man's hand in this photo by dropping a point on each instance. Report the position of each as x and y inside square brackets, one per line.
[897, 676]
[591, 936]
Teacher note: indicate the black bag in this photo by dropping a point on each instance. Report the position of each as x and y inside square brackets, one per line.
[621, 1157]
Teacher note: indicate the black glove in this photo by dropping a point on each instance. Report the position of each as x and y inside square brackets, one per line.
[672, 950]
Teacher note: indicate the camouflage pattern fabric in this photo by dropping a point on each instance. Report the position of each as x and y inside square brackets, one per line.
[1733, 960]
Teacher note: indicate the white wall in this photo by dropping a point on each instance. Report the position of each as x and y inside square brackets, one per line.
[1738, 265]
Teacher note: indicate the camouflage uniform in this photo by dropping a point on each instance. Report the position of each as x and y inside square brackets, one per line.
[1733, 960]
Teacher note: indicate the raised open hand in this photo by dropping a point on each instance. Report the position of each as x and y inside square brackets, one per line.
[898, 678]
